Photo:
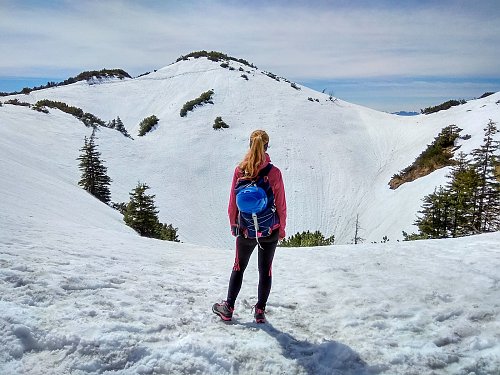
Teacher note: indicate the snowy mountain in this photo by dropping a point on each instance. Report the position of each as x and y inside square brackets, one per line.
[337, 158]
[81, 293]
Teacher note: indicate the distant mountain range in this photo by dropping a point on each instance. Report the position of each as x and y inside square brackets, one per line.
[405, 113]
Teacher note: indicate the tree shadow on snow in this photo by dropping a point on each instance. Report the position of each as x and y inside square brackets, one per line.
[329, 357]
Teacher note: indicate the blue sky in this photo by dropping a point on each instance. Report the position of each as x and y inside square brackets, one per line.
[388, 55]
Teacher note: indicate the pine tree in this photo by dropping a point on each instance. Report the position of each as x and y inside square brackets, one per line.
[141, 213]
[487, 212]
[119, 124]
[120, 127]
[432, 222]
[463, 195]
[94, 177]
[168, 233]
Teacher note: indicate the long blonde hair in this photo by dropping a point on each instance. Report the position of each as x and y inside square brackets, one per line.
[256, 154]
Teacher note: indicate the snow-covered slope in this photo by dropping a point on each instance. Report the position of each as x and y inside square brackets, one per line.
[80, 293]
[336, 157]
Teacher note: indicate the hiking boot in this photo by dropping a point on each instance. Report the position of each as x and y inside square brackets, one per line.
[224, 311]
[259, 315]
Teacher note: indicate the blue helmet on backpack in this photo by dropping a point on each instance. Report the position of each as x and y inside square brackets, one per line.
[251, 199]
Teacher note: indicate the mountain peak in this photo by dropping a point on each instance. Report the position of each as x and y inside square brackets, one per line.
[214, 56]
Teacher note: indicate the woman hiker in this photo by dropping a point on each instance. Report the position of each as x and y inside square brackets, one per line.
[256, 221]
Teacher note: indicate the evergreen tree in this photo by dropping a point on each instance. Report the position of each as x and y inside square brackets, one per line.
[94, 177]
[168, 233]
[425, 222]
[462, 189]
[120, 127]
[141, 213]
[486, 218]
[436, 215]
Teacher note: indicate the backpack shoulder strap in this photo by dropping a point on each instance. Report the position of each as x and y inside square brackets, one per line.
[265, 171]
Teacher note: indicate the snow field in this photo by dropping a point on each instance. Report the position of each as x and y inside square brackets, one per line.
[98, 301]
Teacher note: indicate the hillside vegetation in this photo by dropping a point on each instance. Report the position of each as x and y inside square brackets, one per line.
[214, 56]
[442, 107]
[88, 119]
[204, 98]
[437, 155]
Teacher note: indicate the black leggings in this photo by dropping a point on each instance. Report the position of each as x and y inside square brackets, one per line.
[244, 249]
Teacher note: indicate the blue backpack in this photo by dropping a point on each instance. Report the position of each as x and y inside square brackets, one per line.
[255, 201]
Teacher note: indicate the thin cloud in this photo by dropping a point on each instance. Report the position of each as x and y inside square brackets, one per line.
[318, 42]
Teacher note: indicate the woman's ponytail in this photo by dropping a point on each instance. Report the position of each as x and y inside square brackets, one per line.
[256, 155]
